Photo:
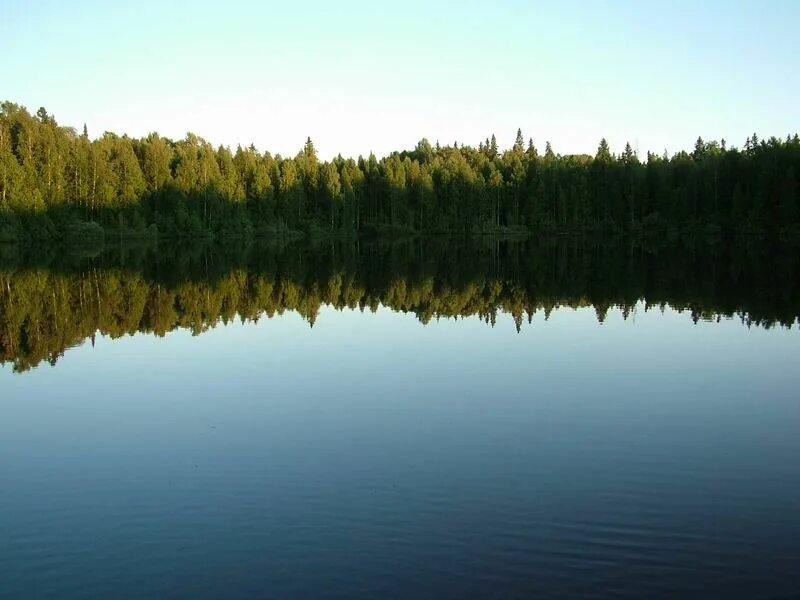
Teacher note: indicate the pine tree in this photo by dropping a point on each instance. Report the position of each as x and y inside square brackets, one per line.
[519, 142]
[699, 149]
[493, 150]
[628, 155]
[603, 152]
[532, 152]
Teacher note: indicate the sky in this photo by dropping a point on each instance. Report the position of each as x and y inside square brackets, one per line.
[368, 76]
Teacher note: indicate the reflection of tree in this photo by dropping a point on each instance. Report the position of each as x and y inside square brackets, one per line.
[52, 303]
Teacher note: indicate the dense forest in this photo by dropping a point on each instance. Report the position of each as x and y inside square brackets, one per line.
[59, 183]
[51, 301]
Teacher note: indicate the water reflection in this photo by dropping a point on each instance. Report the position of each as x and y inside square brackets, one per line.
[52, 300]
[372, 456]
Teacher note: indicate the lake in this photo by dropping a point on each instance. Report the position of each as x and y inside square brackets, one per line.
[410, 420]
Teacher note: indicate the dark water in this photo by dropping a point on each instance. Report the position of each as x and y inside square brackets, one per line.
[485, 420]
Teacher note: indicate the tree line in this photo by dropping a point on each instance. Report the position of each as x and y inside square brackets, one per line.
[57, 183]
[52, 303]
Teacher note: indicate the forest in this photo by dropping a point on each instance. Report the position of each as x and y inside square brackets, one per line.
[57, 183]
[51, 301]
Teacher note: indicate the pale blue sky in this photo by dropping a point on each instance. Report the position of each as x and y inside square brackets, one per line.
[361, 76]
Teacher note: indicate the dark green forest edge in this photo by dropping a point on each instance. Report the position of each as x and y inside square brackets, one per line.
[58, 184]
[51, 300]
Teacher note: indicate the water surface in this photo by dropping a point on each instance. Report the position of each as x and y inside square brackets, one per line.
[483, 421]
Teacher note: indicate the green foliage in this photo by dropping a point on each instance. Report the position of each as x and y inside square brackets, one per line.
[84, 232]
[50, 177]
[9, 227]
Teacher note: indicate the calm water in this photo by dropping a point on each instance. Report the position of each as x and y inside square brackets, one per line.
[595, 422]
